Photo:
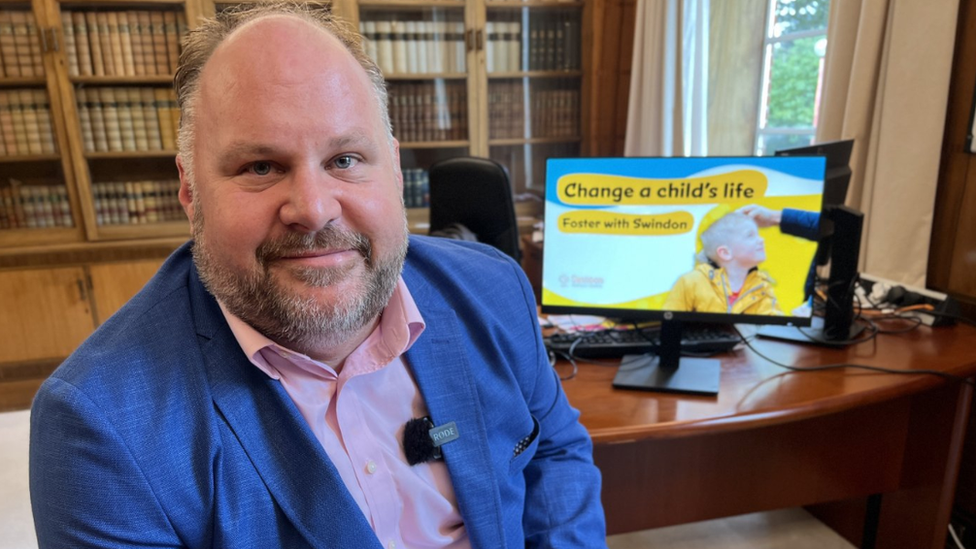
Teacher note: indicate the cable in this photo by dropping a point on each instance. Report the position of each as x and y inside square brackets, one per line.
[877, 369]
[955, 538]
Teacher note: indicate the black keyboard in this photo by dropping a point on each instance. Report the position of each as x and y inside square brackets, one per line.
[617, 343]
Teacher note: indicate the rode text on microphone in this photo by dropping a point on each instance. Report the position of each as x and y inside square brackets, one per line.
[422, 441]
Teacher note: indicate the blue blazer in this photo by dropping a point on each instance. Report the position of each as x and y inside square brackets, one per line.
[159, 432]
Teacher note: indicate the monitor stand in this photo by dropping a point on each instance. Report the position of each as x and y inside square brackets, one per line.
[668, 371]
[816, 334]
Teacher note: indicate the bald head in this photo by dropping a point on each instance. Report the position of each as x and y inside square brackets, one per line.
[273, 49]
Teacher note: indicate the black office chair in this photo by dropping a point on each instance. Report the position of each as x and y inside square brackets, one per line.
[476, 194]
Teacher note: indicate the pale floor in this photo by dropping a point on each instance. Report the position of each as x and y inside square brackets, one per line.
[792, 528]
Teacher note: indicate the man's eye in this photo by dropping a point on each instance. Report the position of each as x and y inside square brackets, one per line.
[260, 168]
[345, 162]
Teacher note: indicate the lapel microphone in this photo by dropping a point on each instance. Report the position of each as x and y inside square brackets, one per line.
[422, 441]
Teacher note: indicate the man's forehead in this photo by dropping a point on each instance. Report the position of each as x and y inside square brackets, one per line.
[270, 45]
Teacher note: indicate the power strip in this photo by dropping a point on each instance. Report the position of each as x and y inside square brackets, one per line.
[888, 293]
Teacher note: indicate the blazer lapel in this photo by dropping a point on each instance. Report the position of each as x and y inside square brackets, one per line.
[440, 365]
[281, 447]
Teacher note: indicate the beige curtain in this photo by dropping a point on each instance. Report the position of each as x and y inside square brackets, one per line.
[667, 109]
[886, 86]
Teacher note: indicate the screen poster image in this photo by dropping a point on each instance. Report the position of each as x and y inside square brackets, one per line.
[709, 239]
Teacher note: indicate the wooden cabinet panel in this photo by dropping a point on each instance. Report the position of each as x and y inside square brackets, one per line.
[45, 313]
[115, 283]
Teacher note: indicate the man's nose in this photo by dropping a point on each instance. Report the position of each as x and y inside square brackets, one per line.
[311, 202]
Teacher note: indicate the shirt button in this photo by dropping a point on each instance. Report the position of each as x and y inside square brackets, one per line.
[370, 469]
[391, 545]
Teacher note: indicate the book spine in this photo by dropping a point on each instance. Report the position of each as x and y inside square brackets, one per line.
[105, 43]
[84, 117]
[22, 42]
[167, 136]
[515, 46]
[491, 60]
[171, 32]
[95, 43]
[44, 122]
[115, 38]
[125, 40]
[460, 52]
[70, 48]
[20, 124]
[430, 40]
[137, 111]
[3, 133]
[410, 45]
[98, 192]
[384, 46]
[5, 221]
[126, 124]
[31, 126]
[146, 42]
[398, 37]
[110, 110]
[37, 61]
[158, 33]
[82, 43]
[135, 42]
[8, 48]
[98, 119]
[151, 119]
[7, 124]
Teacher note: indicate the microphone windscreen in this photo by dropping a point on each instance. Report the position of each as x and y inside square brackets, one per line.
[417, 444]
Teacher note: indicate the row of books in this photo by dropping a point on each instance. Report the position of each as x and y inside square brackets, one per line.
[137, 202]
[128, 118]
[34, 206]
[415, 47]
[416, 188]
[20, 47]
[554, 42]
[25, 123]
[122, 43]
[553, 112]
[429, 111]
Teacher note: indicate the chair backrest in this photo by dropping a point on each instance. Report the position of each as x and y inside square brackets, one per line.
[475, 192]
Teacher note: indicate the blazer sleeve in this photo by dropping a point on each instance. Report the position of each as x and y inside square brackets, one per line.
[800, 223]
[86, 488]
[562, 493]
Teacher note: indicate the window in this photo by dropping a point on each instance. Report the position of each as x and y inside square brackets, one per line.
[792, 75]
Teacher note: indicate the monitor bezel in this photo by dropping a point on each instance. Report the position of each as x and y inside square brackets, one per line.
[643, 315]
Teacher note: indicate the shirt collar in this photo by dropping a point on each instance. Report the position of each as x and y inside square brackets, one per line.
[400, 325]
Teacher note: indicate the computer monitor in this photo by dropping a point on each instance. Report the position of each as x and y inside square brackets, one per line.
[664, 239]
[837, 179]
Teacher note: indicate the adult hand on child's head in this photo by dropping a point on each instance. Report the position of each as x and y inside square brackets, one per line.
[764, 217]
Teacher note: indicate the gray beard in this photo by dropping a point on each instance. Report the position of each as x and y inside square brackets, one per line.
[291, 319]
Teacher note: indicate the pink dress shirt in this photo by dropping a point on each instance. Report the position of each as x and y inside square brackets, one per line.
[358, 416]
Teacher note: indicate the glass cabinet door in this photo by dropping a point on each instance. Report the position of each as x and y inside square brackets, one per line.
[37, 201]
[534, 68]
[423, 53]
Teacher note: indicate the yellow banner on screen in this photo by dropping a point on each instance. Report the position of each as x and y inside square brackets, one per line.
[601, 222]
[615, 190]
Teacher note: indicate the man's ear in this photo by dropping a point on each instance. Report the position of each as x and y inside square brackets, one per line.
[186, 191]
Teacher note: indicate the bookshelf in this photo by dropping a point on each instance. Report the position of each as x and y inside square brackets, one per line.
[85, 96]
[87, 128]
[504, 79]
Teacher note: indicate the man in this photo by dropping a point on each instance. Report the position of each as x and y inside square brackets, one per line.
[257, 395]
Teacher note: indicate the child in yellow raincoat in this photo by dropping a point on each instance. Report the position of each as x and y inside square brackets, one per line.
[728, 279]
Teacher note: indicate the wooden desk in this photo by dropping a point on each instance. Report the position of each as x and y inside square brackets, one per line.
[870, 454]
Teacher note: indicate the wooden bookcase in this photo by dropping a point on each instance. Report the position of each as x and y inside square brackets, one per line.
[94, 209]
